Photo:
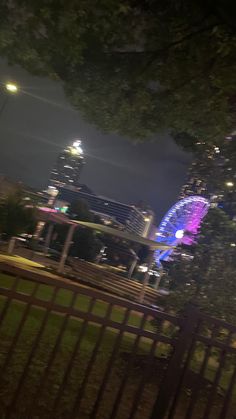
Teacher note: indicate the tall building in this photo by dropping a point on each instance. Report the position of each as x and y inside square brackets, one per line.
[68, 167]
[213, 175]
[126, 216]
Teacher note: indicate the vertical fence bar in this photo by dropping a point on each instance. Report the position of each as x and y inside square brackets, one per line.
[170, 383]
[71, 361]
[8, 301]
[52, 356]
[82, 388]
[106, 376]
[228, 396]
[217, 378]
[185, 369]
[19, 330]
[32, 353]
[126, 375]
[143, 380]
[197, 387]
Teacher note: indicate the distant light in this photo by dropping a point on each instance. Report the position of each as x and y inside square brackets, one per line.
[146, 219]
[76, 147]
[11, 87]
[73, 151]
[233, 244]
[63, 209]
[47, 209]
[52, 191]
[143, 268]
[230, 184]
[179, 234]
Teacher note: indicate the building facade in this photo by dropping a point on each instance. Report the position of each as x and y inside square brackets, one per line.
[68, 167]
[129, 217]
[213, 175]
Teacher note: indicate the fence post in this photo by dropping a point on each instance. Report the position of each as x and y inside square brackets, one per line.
[48, 239]
[173, 374]
[146, 276]
[66, 248]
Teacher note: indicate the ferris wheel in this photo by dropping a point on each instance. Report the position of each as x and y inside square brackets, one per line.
[181, 224]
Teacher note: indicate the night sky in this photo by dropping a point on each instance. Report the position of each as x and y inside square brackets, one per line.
[39, 121]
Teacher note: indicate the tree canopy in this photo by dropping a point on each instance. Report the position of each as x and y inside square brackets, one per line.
[208, 278]
[86, 244]
[79, 210]
[15, 216]
[133, 67]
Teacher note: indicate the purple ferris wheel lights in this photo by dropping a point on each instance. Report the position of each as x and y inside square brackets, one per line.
[181, 223]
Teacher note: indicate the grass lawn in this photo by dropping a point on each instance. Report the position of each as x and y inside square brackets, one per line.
[37, 396]
[29, 392]
[19, 260]
[64, 298]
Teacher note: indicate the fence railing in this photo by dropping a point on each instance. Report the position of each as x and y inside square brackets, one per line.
[68, 351]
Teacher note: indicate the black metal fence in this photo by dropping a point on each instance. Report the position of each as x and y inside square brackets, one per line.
[67, 351]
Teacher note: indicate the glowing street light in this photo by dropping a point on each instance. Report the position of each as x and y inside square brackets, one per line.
[11, 87]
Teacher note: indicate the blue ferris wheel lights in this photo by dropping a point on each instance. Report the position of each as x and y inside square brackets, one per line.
[181, 224]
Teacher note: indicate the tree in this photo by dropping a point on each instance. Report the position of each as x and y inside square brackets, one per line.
[208, 278]
[85, 245]
[79, 210]
[133, 67]
[212, 173]
[15, 216]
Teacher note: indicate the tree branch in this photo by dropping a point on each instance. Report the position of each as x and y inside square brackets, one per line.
[184, 39]
[167, 47]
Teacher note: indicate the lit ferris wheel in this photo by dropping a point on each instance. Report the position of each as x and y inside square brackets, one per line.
[181, 224]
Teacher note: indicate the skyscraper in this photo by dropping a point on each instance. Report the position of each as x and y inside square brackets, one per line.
[213, 175]
[68, 167]
[200, 172]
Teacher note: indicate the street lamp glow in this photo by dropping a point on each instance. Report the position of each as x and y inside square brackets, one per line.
[179, 234]
[11, 87]
[230, 184]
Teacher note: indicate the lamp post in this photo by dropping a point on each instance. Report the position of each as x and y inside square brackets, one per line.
[11, 88]
[146, 276]
[66, 248]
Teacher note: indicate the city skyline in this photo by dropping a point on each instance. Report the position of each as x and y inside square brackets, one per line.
[44, 123]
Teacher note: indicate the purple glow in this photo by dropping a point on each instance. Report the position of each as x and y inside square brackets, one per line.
[181, 224]
[198, 211]
[46, 209]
